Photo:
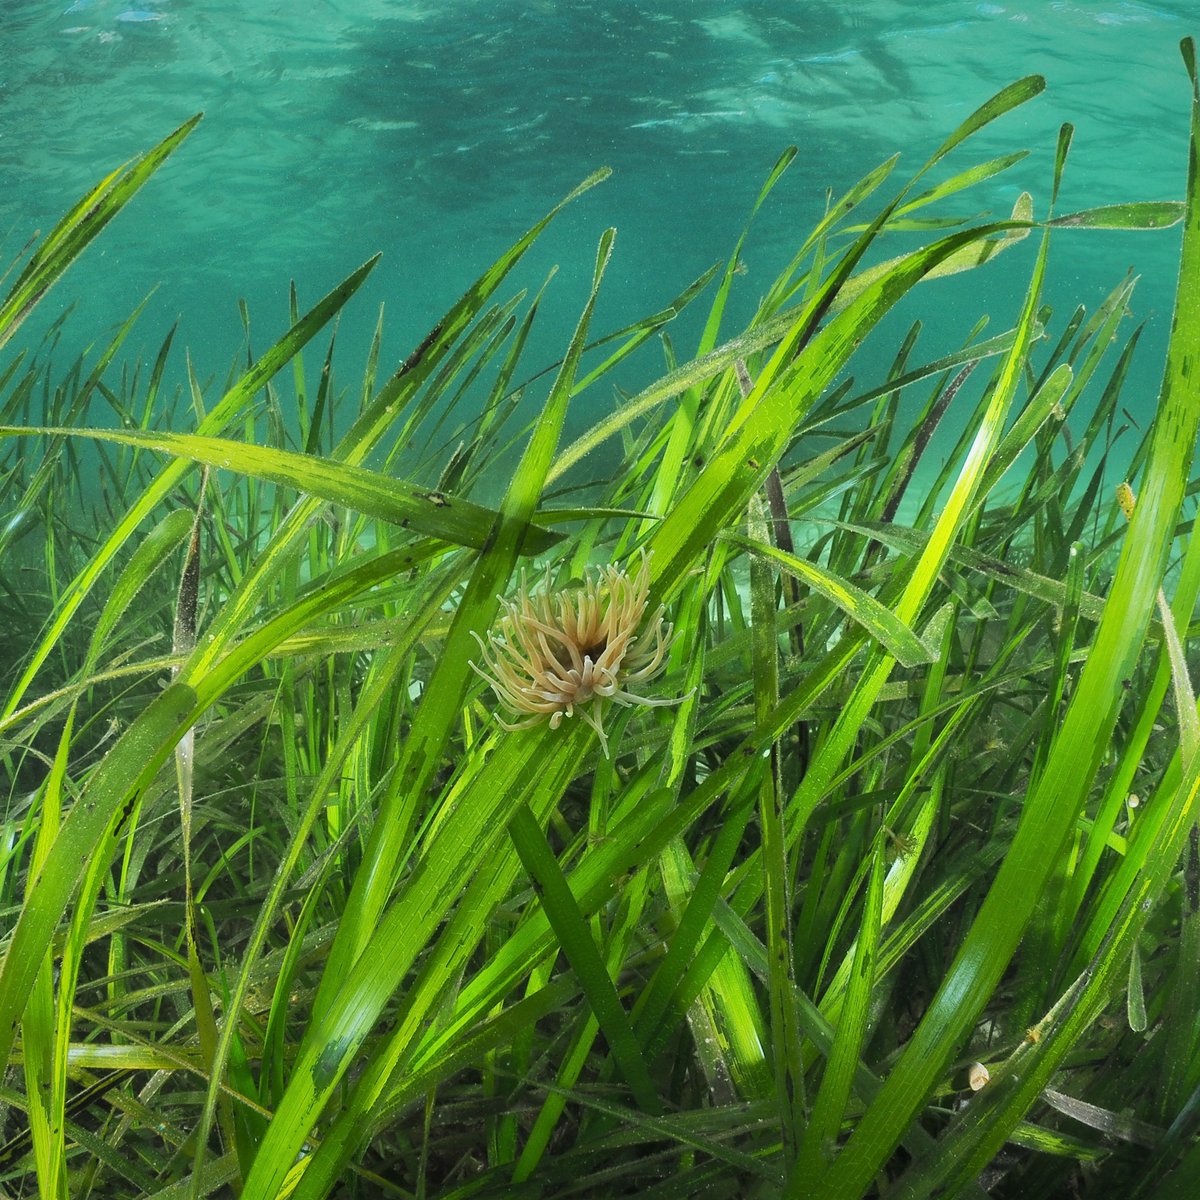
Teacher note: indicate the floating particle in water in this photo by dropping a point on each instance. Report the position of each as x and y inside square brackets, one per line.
[139, 15]
[381, 126]
[690, 121]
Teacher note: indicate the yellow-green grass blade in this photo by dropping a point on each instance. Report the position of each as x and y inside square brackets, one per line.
[183, 642]
[1051, 808]
[979, 173]
[32, 717]
[861, 607]
[82, 223]
[1043, 405]
[1185, 697]
[422, 510]
[1022, 579]
[1138, 214]
[966, 258]
[976, 252]
[1004, 101]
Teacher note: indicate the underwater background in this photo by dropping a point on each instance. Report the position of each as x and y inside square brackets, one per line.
[438, 132]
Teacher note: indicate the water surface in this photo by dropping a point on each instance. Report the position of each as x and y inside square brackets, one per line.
[438, 132]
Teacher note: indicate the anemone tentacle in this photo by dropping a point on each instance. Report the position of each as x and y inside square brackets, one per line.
[558, 653]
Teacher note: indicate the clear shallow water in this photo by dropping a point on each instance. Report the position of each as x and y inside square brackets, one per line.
[438, 132]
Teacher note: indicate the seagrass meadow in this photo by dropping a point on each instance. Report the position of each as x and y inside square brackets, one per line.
[766, 792]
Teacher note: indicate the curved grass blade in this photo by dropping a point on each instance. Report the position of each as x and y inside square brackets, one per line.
[1145, 214]
[71, 236]
[861, 607]
[422, 510]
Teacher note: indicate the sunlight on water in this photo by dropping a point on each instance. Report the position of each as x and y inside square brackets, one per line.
[437, 132]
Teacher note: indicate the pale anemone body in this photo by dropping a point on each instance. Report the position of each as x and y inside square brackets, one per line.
[558, 652]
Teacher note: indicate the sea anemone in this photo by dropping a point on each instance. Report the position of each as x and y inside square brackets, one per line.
[573, 649]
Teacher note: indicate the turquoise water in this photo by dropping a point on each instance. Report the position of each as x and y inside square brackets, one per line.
[438, 132]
